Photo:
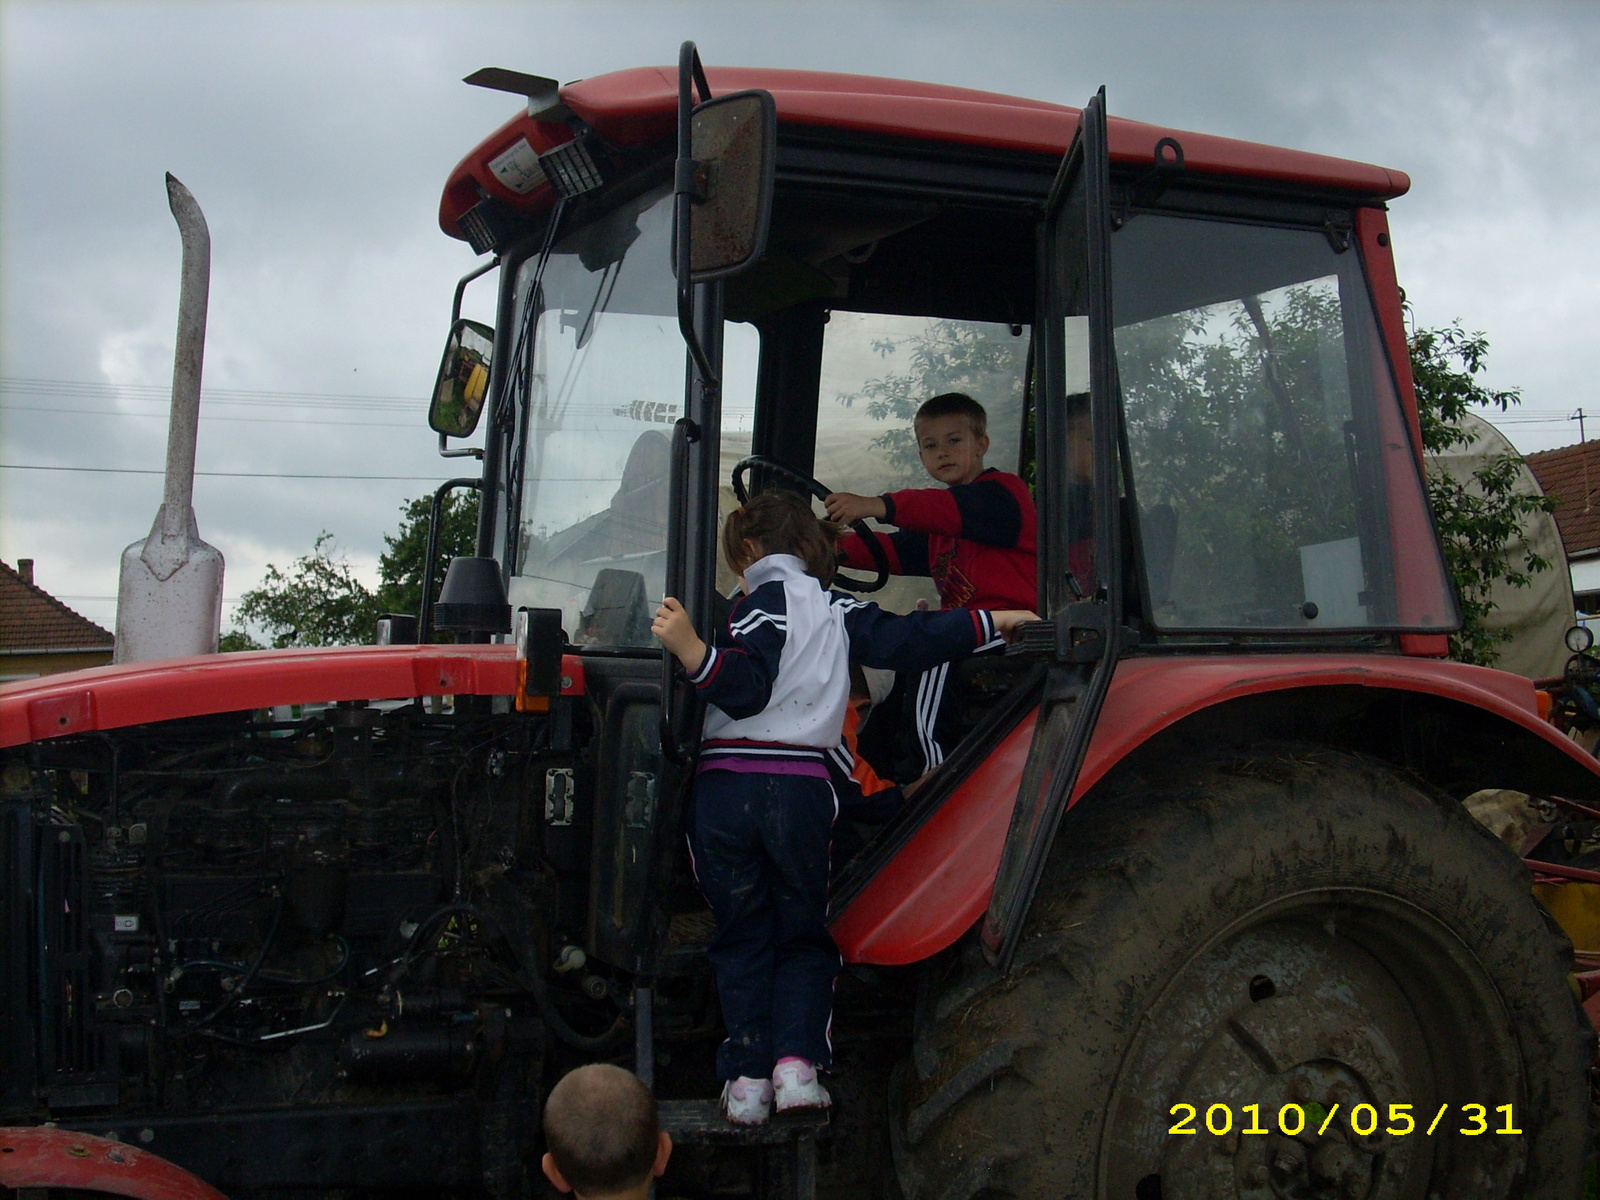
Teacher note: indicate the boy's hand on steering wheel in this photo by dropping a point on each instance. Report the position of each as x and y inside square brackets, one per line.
[1008, 620]
[845, 507]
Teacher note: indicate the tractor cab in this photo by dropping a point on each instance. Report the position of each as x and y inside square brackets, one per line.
[1190, 348]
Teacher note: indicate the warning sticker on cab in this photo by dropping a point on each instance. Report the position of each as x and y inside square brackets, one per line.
[518, 167]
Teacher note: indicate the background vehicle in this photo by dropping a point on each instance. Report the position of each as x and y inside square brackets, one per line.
[305, 926]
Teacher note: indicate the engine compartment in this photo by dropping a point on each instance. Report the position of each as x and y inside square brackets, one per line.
[344, 910]
[344, 950]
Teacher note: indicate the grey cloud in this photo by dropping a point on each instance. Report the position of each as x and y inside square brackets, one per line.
[317, 137]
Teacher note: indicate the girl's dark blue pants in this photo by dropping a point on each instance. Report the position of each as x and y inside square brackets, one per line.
[760, 846]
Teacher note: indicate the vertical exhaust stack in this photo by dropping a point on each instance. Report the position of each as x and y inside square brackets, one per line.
[169, 597]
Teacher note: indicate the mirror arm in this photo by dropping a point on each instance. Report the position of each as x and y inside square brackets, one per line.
[466, 452]
[690, 75]
[689, 62]
[686, 188]
[461, 286]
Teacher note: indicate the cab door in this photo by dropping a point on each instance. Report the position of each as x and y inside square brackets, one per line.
[1079, 489]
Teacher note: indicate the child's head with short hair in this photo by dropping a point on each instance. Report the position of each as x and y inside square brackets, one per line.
[603, 1134]
[955, 404]
[780, 522]
[952, 437]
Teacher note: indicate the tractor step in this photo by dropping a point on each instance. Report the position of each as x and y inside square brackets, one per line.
[791, 1139]
[701, 1123]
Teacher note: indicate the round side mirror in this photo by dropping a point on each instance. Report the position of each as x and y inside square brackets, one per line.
[463, 382]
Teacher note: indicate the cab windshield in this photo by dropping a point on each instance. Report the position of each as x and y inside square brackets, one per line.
[599, 373]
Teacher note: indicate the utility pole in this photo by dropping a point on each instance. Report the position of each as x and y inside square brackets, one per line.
[1577, 416]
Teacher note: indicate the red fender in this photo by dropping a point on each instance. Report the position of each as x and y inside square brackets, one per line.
[137, 693]
[938, 886]
[43, 1157]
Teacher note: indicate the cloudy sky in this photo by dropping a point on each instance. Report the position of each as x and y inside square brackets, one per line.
[317, 137]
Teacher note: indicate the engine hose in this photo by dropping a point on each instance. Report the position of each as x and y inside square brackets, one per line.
[531, 980]
[249, 976]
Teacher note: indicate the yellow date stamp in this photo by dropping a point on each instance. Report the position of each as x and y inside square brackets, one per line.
[1364, 1120]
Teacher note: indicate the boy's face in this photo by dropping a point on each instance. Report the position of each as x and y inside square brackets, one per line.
[949, 451]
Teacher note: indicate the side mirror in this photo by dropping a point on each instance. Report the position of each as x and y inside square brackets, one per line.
[734, 140]
[463, 382]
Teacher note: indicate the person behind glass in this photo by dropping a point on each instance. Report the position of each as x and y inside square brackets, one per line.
[762, 805]
[974, 537]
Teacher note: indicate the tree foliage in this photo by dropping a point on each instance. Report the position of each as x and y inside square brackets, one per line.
[319, 601]
[316, 602]
[1478, 520]
[985, 361]
[1213, 434]
[237, 639]
[400, 567]
[1237, 417]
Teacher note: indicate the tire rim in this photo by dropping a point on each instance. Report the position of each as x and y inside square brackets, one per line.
[1338, 996]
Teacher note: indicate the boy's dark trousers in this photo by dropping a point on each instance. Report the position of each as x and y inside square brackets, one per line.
[921, 720]
[760, 846]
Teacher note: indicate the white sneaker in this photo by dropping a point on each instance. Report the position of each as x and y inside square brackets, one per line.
[796, 1085]
[747, 1101]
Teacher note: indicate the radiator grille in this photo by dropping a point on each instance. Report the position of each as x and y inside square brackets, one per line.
[70, 1043]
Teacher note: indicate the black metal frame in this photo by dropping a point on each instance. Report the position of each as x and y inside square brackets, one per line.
[1089, 634]
[430, 558]
[696, 436]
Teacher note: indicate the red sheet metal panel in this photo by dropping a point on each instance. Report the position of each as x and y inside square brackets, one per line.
[59, 1158]
[635, 107]
[938, 886]
[924, 898]
[134, 694]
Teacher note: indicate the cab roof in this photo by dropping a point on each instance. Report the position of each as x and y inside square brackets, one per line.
[636, 107]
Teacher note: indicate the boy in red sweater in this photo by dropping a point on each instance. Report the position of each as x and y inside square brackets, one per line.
[974, 538]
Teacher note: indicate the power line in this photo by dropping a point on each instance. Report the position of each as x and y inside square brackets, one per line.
[208, 417]
[220, 474]
[278, 475]
[88, 389]
[83, 599]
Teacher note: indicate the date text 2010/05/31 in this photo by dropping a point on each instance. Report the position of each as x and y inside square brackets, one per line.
[1363, 1120]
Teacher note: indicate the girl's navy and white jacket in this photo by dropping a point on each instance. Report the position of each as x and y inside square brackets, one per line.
[777, 688]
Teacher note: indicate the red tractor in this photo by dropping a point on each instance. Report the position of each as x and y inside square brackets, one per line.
[1193, 909]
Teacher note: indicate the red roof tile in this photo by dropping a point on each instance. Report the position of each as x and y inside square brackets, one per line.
[1570, 476]
[32, 619]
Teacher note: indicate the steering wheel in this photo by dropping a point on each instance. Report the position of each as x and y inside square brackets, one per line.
[880, 560]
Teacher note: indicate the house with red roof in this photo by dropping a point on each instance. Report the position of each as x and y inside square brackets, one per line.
[39, 635]
[1570, 475]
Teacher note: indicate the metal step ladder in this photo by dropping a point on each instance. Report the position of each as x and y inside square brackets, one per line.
[791, 1139]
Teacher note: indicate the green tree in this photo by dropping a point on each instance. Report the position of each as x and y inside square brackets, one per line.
[237, 639]
[1477, 520]
[1237, 416]
[318, 601]
[983, 360]
[400, 567]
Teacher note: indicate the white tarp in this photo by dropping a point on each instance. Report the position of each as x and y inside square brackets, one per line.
[1537, 615]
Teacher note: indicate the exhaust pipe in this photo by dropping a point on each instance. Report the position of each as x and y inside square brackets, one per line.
[169, 596]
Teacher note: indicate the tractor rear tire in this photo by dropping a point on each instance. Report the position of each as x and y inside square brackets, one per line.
[1292, 931]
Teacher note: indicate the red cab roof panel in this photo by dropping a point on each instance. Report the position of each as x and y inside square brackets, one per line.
[637, 107]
